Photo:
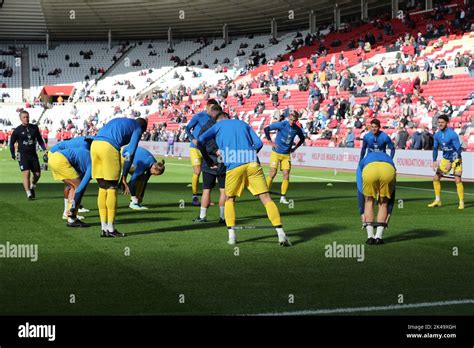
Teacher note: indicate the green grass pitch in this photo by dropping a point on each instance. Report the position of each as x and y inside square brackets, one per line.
[171, 256]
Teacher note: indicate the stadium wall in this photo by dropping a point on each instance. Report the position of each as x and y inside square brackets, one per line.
[411, 162]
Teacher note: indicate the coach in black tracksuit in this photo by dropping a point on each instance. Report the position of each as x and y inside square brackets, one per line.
[28, 136]
[210, 176]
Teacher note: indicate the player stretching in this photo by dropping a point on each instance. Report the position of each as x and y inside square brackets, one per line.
[143, 167]
[239, 146]
[376, 141]
[27, 135]
[282, 148]
[78, 142]
[376, 178]
[106, 165]
[73, 166]
[210, 176]
[192, 130]
[451, 147]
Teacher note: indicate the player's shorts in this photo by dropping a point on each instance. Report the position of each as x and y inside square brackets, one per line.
[196, 156]
[248, 175]
[2, 142]
[284, 160]
[456, 166]
[29, 162]
[46, 140]
[60, 166]
[209, 180]
[378, 180]
[105, 161]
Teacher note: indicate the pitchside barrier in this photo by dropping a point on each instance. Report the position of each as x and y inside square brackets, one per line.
[412, 162]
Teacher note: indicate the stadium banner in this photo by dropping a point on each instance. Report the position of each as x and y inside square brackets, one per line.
[411, 162]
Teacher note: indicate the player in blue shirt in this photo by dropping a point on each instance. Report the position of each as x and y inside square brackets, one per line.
[106, 165]
[78, 142]
[376, 141]
[238, 147]
[84, 142]
[376, 179]
[448, 141]
[192, 131]
[73, 166]
[211, 176]
[282, 148]
[143, 167]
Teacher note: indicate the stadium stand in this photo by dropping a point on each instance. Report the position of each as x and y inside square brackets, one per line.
[405, 73]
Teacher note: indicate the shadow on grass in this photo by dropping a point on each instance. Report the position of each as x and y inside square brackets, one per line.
[304, 234]
[414, 234]
[139, 220]
[179, 228]
[298, 199]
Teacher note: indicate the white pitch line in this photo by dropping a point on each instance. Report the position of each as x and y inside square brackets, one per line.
[317, 178]
[293, 176]
[431, 190]
[340, 180]
[371, 309]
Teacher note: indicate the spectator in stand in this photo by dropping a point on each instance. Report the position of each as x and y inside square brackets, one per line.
[402, 138]
[447, 108]
[427, 139]
[350, 137]
[417, 140]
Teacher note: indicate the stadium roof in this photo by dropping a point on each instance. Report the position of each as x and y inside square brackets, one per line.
[133, 19]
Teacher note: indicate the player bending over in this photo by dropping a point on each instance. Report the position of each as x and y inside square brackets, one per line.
[239, 146]
[376, 141]
[192, 131]
[106, 165]
[78, 142]
[376, 178]
[27, 135]
[73, 166]
[210, 176]
[143, 167]
[281, 150]
[448, 140]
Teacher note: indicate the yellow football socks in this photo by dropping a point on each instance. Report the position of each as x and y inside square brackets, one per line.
[195, 183]
[284, 186]
[111, 205]
[273, 213]
[229, 213]
[460, 189]
[437, 189]
[102, 205]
